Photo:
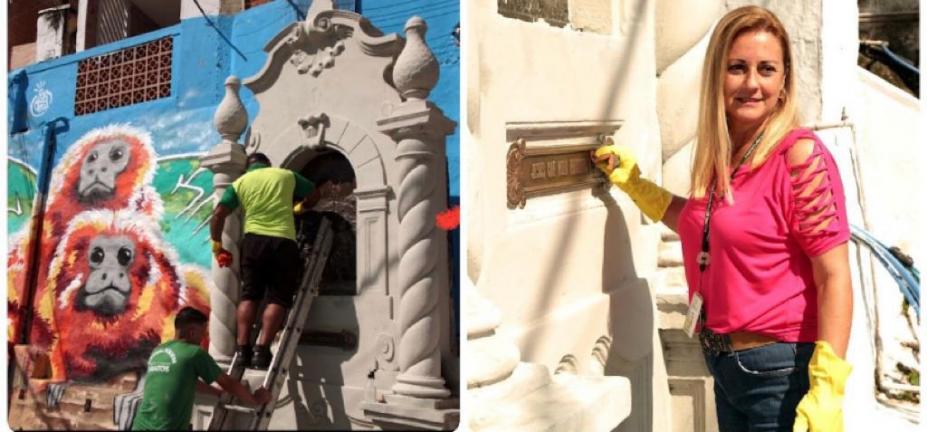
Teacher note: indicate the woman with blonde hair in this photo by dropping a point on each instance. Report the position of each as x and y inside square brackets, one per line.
[764, 236]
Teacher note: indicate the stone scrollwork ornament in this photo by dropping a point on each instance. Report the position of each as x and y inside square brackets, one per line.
[324, 37]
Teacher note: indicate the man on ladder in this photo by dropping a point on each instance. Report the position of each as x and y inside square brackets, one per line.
[269, 258]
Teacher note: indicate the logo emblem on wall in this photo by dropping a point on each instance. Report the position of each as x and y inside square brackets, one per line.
[41, 101]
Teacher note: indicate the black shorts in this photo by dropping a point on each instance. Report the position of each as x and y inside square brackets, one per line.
[269, 264]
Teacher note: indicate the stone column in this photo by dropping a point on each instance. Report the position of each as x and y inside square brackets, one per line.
[84, 32]
[420, 129]
[227, 162]
[51, 33]
[190, 9]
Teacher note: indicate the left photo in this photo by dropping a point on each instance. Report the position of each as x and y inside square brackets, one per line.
[233, 215]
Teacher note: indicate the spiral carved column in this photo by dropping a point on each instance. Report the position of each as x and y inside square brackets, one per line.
[419, 128]
[419, 356]
[227, 162]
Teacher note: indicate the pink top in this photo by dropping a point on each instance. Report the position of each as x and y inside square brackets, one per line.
[759, 277]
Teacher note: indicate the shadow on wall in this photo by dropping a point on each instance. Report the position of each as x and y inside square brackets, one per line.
[630, 318]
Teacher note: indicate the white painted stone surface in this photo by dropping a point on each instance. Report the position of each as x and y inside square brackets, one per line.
[51, 31]
[561, 270]
[507, 395]
[680, 25]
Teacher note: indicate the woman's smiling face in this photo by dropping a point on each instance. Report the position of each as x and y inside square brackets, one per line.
[754, 78]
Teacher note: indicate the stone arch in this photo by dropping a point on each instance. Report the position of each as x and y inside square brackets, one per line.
[372, 193]
[352, 141]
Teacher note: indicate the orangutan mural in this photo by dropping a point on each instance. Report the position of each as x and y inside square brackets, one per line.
[109, 282]
[113, 289]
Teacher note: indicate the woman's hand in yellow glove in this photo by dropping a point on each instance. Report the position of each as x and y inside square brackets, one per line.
[620, 165]
[822, 407]
[617, 162]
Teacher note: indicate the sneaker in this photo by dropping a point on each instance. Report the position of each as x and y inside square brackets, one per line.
[262, 357]
[244, 354]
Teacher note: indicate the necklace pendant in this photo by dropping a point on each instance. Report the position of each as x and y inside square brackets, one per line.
[702, 258]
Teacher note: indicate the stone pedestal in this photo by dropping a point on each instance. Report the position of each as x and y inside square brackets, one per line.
[505, 394]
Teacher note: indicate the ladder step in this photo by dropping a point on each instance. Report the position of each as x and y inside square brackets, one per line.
[241, 409]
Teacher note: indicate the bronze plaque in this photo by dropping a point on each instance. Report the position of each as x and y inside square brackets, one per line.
[548, 170]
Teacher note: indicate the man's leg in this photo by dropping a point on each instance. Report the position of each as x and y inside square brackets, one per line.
[283, 278]
[252, 291]
[273, 317]
[272, 320]
[245, 315]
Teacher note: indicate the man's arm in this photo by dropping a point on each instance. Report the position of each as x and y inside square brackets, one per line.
[207, 389]
[227, 204]
[217, 223]
[260, 396]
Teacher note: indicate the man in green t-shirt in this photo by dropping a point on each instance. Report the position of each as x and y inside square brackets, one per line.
[177, 368]
[269, 259]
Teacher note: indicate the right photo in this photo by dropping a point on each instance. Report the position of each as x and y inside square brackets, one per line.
[688, 215]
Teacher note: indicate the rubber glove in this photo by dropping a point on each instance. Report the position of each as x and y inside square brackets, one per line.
[822, 408]
[650, 198]
[223, 257]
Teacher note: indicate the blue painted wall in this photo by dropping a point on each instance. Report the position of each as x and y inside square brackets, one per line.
[182, 123]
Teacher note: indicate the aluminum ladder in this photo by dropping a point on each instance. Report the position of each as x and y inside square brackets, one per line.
[227, 415]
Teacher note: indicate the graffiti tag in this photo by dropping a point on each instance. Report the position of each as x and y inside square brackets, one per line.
[18, 211]
[41, 101]
[198, 201]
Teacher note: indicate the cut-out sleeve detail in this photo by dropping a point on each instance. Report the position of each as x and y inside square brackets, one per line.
[818, 219]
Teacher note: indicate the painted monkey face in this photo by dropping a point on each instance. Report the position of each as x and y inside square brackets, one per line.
[99, 169]
[108, 286]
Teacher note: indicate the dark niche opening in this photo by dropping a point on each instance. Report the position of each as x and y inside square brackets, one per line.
[340, 274]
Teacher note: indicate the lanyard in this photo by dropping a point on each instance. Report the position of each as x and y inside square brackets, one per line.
[703, 255]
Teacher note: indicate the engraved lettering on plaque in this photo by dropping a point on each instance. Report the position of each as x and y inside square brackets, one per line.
[537, 171]
[548, 170]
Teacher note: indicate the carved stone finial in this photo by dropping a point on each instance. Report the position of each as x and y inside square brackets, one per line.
[231, 118]
[416, 70]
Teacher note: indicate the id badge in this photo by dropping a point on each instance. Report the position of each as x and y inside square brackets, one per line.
[692, 316]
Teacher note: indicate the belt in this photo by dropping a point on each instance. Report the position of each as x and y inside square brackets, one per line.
[714, 343]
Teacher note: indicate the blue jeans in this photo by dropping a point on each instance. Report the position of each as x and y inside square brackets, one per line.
[758, 389]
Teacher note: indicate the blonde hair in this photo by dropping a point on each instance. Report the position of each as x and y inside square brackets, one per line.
[713, 149]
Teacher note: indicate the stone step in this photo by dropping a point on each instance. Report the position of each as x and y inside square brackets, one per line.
[530, 400]
[669, 254]
[672, 305]
[668, 235]
[671, 279]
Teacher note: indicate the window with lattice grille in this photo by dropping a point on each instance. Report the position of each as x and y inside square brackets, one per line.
[125, 77]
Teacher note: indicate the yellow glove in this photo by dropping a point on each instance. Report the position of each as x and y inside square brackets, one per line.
[298, 208]
[650, 198]
[821, 410]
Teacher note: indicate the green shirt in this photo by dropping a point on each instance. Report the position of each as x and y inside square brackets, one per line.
[170, 385]
[266, 195]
